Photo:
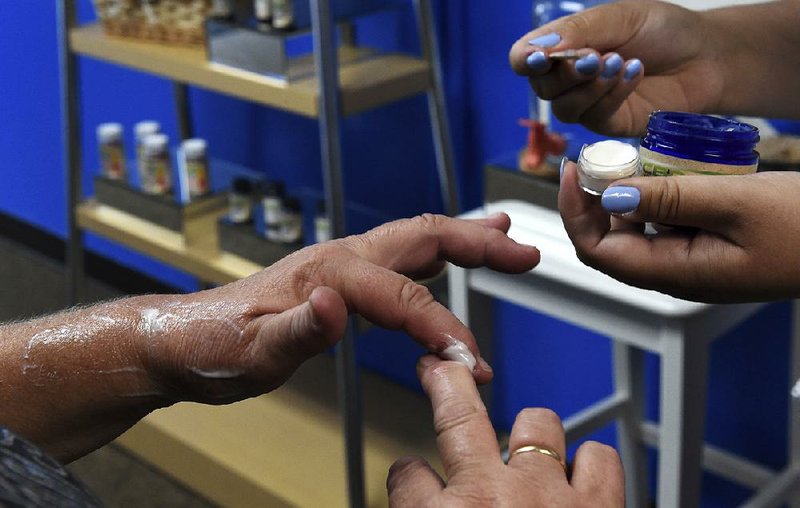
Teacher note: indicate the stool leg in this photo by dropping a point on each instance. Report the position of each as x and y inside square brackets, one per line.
[684, 369]
[794, 402]
[629, 380]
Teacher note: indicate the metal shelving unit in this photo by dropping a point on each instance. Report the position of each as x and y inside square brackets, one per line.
[330, 94]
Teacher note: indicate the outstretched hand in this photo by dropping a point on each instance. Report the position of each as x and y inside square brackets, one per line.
[73, 381]
[248, 337]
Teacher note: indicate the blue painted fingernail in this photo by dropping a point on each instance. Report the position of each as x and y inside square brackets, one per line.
[612, 66]
[588, 64]
[632, 69]
[561, 169]
[620, 199]
[536, 61]
[546, 41]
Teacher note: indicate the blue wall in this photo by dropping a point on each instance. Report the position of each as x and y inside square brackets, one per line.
[389, 173]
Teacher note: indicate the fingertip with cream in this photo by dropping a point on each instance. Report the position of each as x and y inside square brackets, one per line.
[457, 351]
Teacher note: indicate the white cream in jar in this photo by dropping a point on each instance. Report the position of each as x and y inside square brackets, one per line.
[604, 162]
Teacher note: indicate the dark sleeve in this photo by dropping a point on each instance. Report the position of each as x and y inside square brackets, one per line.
[29, 478]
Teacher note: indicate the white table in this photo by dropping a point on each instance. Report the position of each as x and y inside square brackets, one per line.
[635, 320]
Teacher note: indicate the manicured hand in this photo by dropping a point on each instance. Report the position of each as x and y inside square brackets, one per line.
[476, 475]
[735, 238]
[248, 337]
[635, 57]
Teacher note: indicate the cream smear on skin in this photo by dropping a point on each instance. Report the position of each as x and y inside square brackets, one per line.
[216, 374]
[457, 351]
[58, 338]
[193, 320]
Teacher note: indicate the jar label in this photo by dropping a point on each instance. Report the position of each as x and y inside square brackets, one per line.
[658, 164]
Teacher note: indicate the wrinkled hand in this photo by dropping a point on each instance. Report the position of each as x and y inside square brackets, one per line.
[248, 337]
[637, 56]
[476, 475]
[737, 237]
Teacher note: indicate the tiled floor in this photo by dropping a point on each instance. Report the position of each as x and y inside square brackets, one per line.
[120, 480]
[33, 285]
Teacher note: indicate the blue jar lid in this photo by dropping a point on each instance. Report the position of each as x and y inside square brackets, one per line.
[701, 137]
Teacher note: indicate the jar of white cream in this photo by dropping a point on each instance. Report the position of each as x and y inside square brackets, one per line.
[604, 162]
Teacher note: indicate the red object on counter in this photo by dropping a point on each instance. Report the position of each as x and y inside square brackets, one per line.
[540, 143]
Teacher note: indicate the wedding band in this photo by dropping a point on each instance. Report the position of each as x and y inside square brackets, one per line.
[544, 451]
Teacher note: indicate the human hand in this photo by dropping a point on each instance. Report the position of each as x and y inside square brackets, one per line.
[607, 89]
[73, 381]
[247, 337]
[735, 237]
[476, 475]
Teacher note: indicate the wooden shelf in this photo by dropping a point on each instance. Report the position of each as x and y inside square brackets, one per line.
[365, 84]
[285, 448]
[202, 260]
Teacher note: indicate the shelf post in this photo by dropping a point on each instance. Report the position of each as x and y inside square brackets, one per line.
[437, 109]
[67, 19]
[183, 111]
[349, 393]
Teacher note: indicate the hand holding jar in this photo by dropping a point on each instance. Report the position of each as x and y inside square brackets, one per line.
[734, 238]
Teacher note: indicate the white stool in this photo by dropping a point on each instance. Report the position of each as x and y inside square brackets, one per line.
[636, 321]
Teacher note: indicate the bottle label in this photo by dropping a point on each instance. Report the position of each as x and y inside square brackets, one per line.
[273, 218]
[322, 229]
[197, 175]
[658, 164]
[112, 160]
[292, 228]
[238, 208]
[263, 9]
[140, 164]
[156, 178]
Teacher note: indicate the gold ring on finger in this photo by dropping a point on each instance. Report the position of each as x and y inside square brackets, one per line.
[544, 451]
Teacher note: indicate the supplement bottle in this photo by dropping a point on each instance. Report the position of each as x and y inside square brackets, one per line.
[272, 204]
[141, 130]
[282, 14]
[194, 167]
[692, 144]
[263, 10]
[112, 151]
[157, 174]
[292, 227]
[222, 9]
[240, 201]
[322, 223]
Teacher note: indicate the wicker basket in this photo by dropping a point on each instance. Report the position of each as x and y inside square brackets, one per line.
[171, 21]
